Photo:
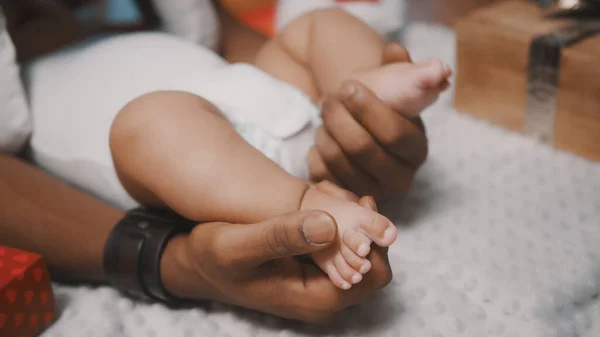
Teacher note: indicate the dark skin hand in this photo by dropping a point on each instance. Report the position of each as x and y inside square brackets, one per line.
[364, 145]
[251, 266]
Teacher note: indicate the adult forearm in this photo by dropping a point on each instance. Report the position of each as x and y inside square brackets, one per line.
[39, 213]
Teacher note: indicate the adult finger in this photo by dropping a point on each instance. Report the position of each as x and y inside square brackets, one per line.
[419, 123]
[336, 191]
[356, 142]
[349, 174]
[397, 134]
[292, 234]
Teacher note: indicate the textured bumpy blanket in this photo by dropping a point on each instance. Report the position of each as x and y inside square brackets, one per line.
[500, 236]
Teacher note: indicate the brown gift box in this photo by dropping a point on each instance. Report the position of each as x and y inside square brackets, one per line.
[494, 45]
[26, 300]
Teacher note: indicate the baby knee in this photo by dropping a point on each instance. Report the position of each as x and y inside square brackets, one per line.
[148, 116]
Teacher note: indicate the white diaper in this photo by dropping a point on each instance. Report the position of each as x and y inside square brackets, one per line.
[271, 115]
[76, 94]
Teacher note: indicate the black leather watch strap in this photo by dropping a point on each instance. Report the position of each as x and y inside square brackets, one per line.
[133, 251]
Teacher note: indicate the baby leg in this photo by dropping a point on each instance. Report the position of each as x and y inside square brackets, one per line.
[319, 50]
[174, 149]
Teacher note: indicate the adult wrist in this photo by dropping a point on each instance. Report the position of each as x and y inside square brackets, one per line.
[179, 274]
[134, 250]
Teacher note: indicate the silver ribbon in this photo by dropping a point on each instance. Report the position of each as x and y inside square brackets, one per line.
[544, 67]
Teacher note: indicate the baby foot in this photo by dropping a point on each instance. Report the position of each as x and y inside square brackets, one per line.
[407, 88]
[358, 227]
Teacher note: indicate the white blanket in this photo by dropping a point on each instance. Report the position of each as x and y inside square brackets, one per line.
[15, 122]
[499, 237]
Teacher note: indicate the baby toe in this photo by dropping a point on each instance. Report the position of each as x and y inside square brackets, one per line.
[432, 73]
[346, 271]
[357, 242]
[379, 229]
[335, 276]
[358, 263]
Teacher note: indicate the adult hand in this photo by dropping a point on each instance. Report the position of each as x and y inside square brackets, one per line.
[253, 266]
[363, 144]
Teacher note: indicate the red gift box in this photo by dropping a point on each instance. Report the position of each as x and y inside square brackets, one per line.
[26, 300]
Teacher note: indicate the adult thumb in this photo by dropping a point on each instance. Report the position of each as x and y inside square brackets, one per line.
[292, 234]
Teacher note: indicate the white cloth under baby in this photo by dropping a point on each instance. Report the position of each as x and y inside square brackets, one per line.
[76, 94]
[15, 123]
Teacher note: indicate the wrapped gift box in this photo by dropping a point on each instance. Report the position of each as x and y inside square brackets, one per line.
[26, 300]
[529, 73]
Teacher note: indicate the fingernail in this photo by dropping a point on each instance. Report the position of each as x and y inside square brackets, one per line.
[365, 268]
[319, 229]
[346, 286]
[356, 278]
[363, 250]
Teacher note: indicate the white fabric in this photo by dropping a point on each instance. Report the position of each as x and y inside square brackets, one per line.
[194, 20]
[77, 93]
[15, 122]
[385, 16]
[499, 237]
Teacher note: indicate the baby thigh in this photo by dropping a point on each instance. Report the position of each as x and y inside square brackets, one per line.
[176, 149]
[153, 134]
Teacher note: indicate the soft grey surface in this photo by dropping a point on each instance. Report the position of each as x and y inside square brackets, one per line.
[500, 236]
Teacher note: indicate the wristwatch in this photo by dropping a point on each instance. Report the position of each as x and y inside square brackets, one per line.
[133, 250]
